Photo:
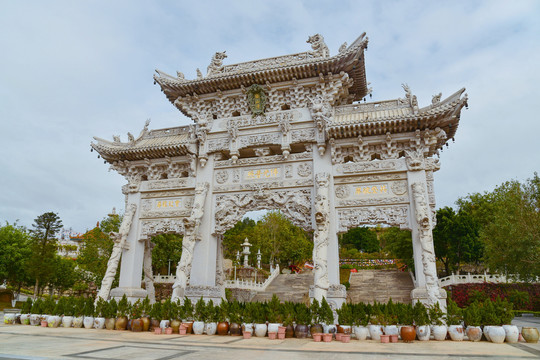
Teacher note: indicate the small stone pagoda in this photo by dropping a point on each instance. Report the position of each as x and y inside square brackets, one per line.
[288, 133]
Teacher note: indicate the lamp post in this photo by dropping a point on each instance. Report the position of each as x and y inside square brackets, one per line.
[259, 259]
[246, 245]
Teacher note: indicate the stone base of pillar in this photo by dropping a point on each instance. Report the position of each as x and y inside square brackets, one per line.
[335, 296]
[214, 293]
[133, 294]
[421, 294]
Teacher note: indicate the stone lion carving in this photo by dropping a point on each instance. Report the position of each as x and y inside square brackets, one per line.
[318, 45]
[216, 64]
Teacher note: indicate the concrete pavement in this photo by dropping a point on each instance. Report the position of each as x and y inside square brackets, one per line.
[31, 342]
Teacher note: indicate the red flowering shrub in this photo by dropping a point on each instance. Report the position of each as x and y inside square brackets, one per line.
[464, 294]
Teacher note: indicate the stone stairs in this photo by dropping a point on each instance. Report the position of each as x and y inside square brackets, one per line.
[288, 287]
[380, 285]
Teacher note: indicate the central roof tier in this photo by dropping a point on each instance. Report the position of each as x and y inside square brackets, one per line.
[277, 69]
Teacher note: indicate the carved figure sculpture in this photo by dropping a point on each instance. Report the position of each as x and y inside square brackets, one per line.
[320, 238]
[318, 45]
[120, 244]
[216, 64]
[191, 236]
[147, 269]
[435, 99]
[422, 215]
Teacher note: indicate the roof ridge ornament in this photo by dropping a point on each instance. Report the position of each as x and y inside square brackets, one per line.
[319, 46]
[216, 64]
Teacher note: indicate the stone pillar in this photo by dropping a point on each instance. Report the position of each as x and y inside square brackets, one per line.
[132, 258]
[427, 288]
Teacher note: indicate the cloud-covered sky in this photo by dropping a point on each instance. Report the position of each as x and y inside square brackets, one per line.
[71, 70]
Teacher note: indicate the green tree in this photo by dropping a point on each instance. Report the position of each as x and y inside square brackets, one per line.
[399, 244]
[234, 237]
[456, 239]
[64, 275]
[168, 247]
[360, 238]
[41, 262]
[512, 236]
[96, 248]
[15, 251]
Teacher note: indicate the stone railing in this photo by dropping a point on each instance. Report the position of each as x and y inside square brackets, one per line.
[252, 285]
[472, 279]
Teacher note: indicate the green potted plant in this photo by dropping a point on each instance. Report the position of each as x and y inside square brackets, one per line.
[454, 316]
[377, 321]
[211, 318]
[275, 315]
[288, 319]
[176, 316]
[155, 316]
[110, 314]
[135, 316]
[79, 312]
[259, 312]
[345, 318]
[166, 309]
[146, 307]
[122, 313]
[199, 317]
[360, 321]
[473, 319]
[302, 319]
[223, 324]
[26, 311]
[437, 319]
[390, 314]
[315, 309]
[247, 310]
[421, 320]
[99, 319]
[88, 312]
[406, 320]
[234, 313]
[326, 317]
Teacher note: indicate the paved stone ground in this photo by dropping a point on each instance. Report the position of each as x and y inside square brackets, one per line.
[31, 342]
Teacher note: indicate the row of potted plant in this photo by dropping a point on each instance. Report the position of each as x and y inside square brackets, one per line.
[379, 321]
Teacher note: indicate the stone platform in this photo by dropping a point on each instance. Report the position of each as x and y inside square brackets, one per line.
[380, 285]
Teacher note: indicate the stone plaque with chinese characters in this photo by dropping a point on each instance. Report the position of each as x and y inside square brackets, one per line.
[262, 173]
[167, 204]
[369, 190]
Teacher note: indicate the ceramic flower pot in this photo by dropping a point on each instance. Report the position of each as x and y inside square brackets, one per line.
[165, 324]
[289, 331]
[157, 330]
[168, 331]
[439, 332]
[154, 323]
[235, 329]
[486, 332]
[408, 333]
[273, 327]
[394, 338]
[512, 333]
[146, 323]
[423, 332]
[474, 333]
[247, 327]
[375, 332]
[315, 329]
[78, 322]
[9, 319]
[110, 323]
[360, 332]
[25, 319]
[223, 328]
[281, 336]
[99, 322]
[67, 321]
[391, 330]
[385, 338]
[189, 329]
[345, 338]
[35, 319]
[301, 331]
[530, 334]
[272, 335]
[496, 334]
[54, 321]
[456, 332]
[182, 330]
[246, 334]
[210, 328]
[198, 327]
[282, 329]
[329, 329]
[260, 330]
[175, 326]
[121, 323]
[317, 337]
[88, 322]
[326, 337]
[338, 336]
[346, 329]
[137, 325]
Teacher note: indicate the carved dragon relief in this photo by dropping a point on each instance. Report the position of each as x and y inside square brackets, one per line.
[191, 236]
[422, 217]
[320, 237]
[230, 208]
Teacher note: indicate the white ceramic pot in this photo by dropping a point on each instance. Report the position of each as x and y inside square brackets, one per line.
[99, 323]
[260, 330]
[497, 334]
[247, 327]
[512, 333]
[474, 333]
[329, 329]
[391, 330]
[78, 322]
[67, 321]
[9, 319]
[375, 332]
[423, 332]
[165, 324]
[439, 332]
[210, 328]
[486, 332]
[54, 321]
[361, 332]
[25, 319]
[456, 332]
[273, 327]
[35, 319]
[198, 327]
[88, 322]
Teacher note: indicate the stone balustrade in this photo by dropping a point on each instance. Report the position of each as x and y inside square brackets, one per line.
[478, 278]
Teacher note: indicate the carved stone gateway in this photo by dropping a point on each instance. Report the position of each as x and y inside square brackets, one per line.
[285, 133]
